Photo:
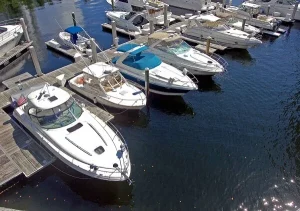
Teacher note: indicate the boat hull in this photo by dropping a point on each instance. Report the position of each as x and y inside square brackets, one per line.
[222, 39]
[9, 44]
[46, 141]
[154, 88]
[103, 101]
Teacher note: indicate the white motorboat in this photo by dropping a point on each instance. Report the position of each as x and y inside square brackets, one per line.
[105, 84]
[231, 21]
[10, 35]
[72, 133]
[164, 79]
[250, 12]
[131, 21]
[75, 37]
[194, 5]
[152, 9]
[285, 8]
[175, 51]
[220, 33]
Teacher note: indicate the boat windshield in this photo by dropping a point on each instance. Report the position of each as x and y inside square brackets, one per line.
[129, 15]
[175, 47]
[112, 81]
[56, 117]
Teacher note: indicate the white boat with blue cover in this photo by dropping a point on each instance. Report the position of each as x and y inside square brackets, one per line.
[164, 79]
[72, 133]
[74, 37]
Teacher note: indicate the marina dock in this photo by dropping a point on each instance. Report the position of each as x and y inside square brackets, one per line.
[19, 153]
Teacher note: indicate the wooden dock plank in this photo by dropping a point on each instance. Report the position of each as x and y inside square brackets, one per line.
[19, 153]
[203, 48]
[13, 52]
[8, 170]
[17, 79]
[4, 101]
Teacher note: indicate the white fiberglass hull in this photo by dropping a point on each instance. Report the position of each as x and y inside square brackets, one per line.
[191, 61]
[222, 38]
[110, 102]
[108, 174]
[10, 42]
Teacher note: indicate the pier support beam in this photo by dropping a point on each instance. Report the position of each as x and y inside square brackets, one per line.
[224, 3]
[24, 27]
[295, 10]
[208, 45]
[94, 50]
[268, 10]
[35, 61]
[230, 3]
[151, 26]
[243, 24]
[147, 92]
[74, 19]
[114, 34]
[166, 22]
[113, 5]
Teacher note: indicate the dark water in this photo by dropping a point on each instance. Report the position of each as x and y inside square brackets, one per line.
[232, 145]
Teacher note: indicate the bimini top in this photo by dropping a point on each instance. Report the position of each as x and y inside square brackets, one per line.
[48, 97]
[74, 29]
[99, 69]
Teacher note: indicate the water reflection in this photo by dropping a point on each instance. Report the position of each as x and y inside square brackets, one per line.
[131, 118]
[208, 84]
[170, 105]
[240, 55]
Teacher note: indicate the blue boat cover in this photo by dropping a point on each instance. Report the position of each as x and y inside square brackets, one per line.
[141, 61]
[74, 30]
[127, 47]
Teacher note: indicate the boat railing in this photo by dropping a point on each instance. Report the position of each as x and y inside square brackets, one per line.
[117, 98]
[14, 21]
[9, 33]
[220, 60]
[193, 77]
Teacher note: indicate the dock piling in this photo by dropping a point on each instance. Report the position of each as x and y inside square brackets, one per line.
[208, 45]
[217, 6]
[243, 24]
[147, 92]
[94, 50]
[268, 10]
[230, 3]
[224, 3]
[114, 33]
[151, 26]
[166, 23]
[35, 61]
[74, 19]
[113, 5]
[24, 27]
[295, 10]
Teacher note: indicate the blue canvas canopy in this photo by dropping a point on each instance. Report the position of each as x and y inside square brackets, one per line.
[74, 30]
[127, 47]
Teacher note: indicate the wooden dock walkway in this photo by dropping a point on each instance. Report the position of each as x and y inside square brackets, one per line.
[19, 153]
[13, 54]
